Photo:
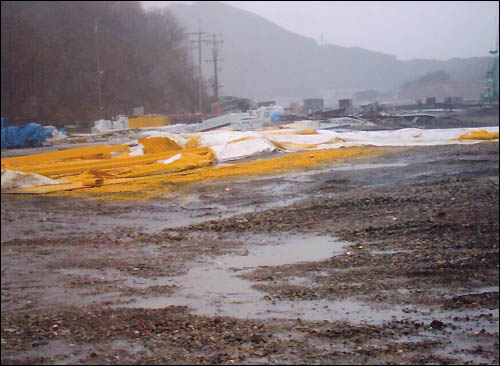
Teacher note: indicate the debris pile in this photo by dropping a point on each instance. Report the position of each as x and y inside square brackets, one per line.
[158, 157]
[29, 135]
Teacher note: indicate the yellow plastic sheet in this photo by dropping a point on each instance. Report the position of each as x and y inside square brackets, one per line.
[153, 185]
[78, 167]
[88, 152]
[190, 159]
[148, 120]
[155, 145]
[193, 142]
[479, 135]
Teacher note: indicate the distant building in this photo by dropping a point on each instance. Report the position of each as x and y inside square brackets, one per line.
[346, 104]
[313, 105]
[268, 103]
[430, 101]
[454, 101]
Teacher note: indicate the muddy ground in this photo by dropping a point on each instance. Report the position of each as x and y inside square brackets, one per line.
[390, 259]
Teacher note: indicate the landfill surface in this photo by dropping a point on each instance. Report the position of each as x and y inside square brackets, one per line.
[384, 258]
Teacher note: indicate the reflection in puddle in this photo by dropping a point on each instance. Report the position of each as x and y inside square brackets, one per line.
[215, 289]
[382, 252]
[293, 250]
[369, 166]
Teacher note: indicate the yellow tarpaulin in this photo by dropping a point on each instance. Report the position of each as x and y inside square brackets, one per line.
[88, 152]
[189, 159]
[78, 167]
[479, 135]
[154, 145]
[148, 120]
[195, 166]
[158, 162]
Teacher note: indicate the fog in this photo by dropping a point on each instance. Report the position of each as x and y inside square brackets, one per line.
[430, 30]
[107, 58]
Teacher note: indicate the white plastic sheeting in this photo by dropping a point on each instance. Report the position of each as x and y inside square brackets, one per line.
[303, 124]
[170, 160]
[219, 121]
[137, 150]
[242, 149]
[15, 179]
[213, 138]
[233, 145]
[121, 123]
[102, 125]
[410, 136]
[56, 134]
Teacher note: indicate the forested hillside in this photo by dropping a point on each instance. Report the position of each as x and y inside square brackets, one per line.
[71, 61]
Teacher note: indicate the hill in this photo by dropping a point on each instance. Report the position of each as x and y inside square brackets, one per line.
[264, 61]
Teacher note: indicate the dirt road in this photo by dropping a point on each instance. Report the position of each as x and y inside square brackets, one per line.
[392, 260]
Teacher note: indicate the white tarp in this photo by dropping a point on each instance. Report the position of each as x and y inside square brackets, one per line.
[213, 138]
[242, 149]
[232, 145]
[14, 179]
[170, 160]
[303, 124]
[409, 136]
[137, 150]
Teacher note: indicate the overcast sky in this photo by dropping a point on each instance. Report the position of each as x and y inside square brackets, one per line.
[407, 29]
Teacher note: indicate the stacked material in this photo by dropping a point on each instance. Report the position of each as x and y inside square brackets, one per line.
[124, 123]
[148, 120]
[159, 156]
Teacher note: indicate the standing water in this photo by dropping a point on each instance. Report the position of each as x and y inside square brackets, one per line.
[214, 287]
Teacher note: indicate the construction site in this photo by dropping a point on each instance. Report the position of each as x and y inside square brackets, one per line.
[347, 240]
[255, 233]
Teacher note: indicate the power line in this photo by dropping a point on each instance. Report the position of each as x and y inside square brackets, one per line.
[199, 35]
[215, 53]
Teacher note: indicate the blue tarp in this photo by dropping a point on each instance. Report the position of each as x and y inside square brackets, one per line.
[30, 135]
[4, 122]
[276, 116]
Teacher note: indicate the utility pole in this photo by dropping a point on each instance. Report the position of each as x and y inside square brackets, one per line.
[99, 71]
[98, 65]
[215, 54]
[200, 80]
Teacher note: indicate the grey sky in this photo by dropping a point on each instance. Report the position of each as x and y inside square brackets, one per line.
[407, 29]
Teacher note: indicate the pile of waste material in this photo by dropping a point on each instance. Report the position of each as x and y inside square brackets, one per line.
[124, 123]
[160, 157]
[29, 135]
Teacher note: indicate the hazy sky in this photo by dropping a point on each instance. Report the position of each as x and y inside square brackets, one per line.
[406, 29]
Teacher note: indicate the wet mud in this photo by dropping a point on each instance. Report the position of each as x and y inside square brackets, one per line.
[386, 260]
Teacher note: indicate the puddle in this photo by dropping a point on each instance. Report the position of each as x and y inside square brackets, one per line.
[292, 250]
[65, 353]
[479, 290]
[382, 252]
[444, 292]
[214, 288]
[368, 166]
